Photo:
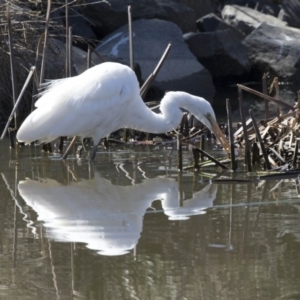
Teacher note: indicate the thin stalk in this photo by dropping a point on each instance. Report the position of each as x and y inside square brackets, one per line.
[266, 97]
[131, 52]
[202, 146]
[18, 102]
[276, 85]
[70, 51]
[42, 75]
[295, 153]
[36, 82]
[179, 152]
[258, 136]
[195, 158]
[231, 139]
[213, 159]
[265, 91]
[152, 76]
[67, 37]
[246, 138]
[12, 62]
[69, 148]
[89, 57]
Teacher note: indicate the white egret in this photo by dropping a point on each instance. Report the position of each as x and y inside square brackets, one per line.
[104, 99]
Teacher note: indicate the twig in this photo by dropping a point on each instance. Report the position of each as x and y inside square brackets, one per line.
[131, 53]
[231, 139]
[266, 97]
[18, 101]
[265, 155]
[247, 146]
[45, 42]
[12, 62]
[265, 91]
[152, 76]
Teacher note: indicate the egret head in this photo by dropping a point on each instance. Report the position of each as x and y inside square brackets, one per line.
[204, 112]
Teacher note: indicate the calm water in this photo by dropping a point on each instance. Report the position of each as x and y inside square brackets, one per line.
[128, 226]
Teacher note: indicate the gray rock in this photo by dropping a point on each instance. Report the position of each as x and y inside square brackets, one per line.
[276, 50]
[180, 71]
[200, 7]
[212, 22]
[81, 28]
[290, 12]
[270, 9]
[246, 19]
[112, 14]
[223, 54]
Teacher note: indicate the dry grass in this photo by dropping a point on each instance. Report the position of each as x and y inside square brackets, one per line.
[28, 25]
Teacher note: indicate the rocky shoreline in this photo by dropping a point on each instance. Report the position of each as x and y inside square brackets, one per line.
[214, 43]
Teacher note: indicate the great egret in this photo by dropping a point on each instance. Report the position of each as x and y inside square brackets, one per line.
[104, 99]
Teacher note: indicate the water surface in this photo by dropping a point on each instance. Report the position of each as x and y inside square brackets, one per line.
[129, 226]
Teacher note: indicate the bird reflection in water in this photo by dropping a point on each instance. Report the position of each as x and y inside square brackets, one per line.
[106, 217]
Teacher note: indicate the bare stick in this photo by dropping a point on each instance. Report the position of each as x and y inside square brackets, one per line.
[152, 76]
[67, 37]
[179, 152]
[265, 91]
[89, 57]
[231, 139]
[131, 53]
[45, 42]
[12, 62]
[276, 85]
[65, 155]
[70, 51]
[266, 97]
[18, 101]
[213, 159]
[295, 156]
[262, 147]
[247, 146]
[36, 82]
[98, 55]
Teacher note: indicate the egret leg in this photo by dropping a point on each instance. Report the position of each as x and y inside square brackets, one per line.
[69, 148]
[93, 154]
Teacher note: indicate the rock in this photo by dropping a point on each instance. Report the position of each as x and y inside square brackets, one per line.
[110, 15]
[223, 55]
[105, 16]
[246, 19]
[212, 22]
[177, 13]
[200, 7]
[276, 50]
[263, 6]
[290, 12]
[81, 29]
[180, 71]
[270, 9]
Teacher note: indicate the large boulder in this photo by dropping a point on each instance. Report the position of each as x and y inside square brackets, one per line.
[212, 22]
[180, 71]
[276, 50]
[290, 12]
[200, 7]
[108, 16]
[247, 19]
[223, 55]
[81, 29]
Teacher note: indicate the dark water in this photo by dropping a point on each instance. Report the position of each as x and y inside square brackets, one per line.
[128, 226]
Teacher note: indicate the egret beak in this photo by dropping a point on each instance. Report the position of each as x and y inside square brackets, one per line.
[218, 133]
